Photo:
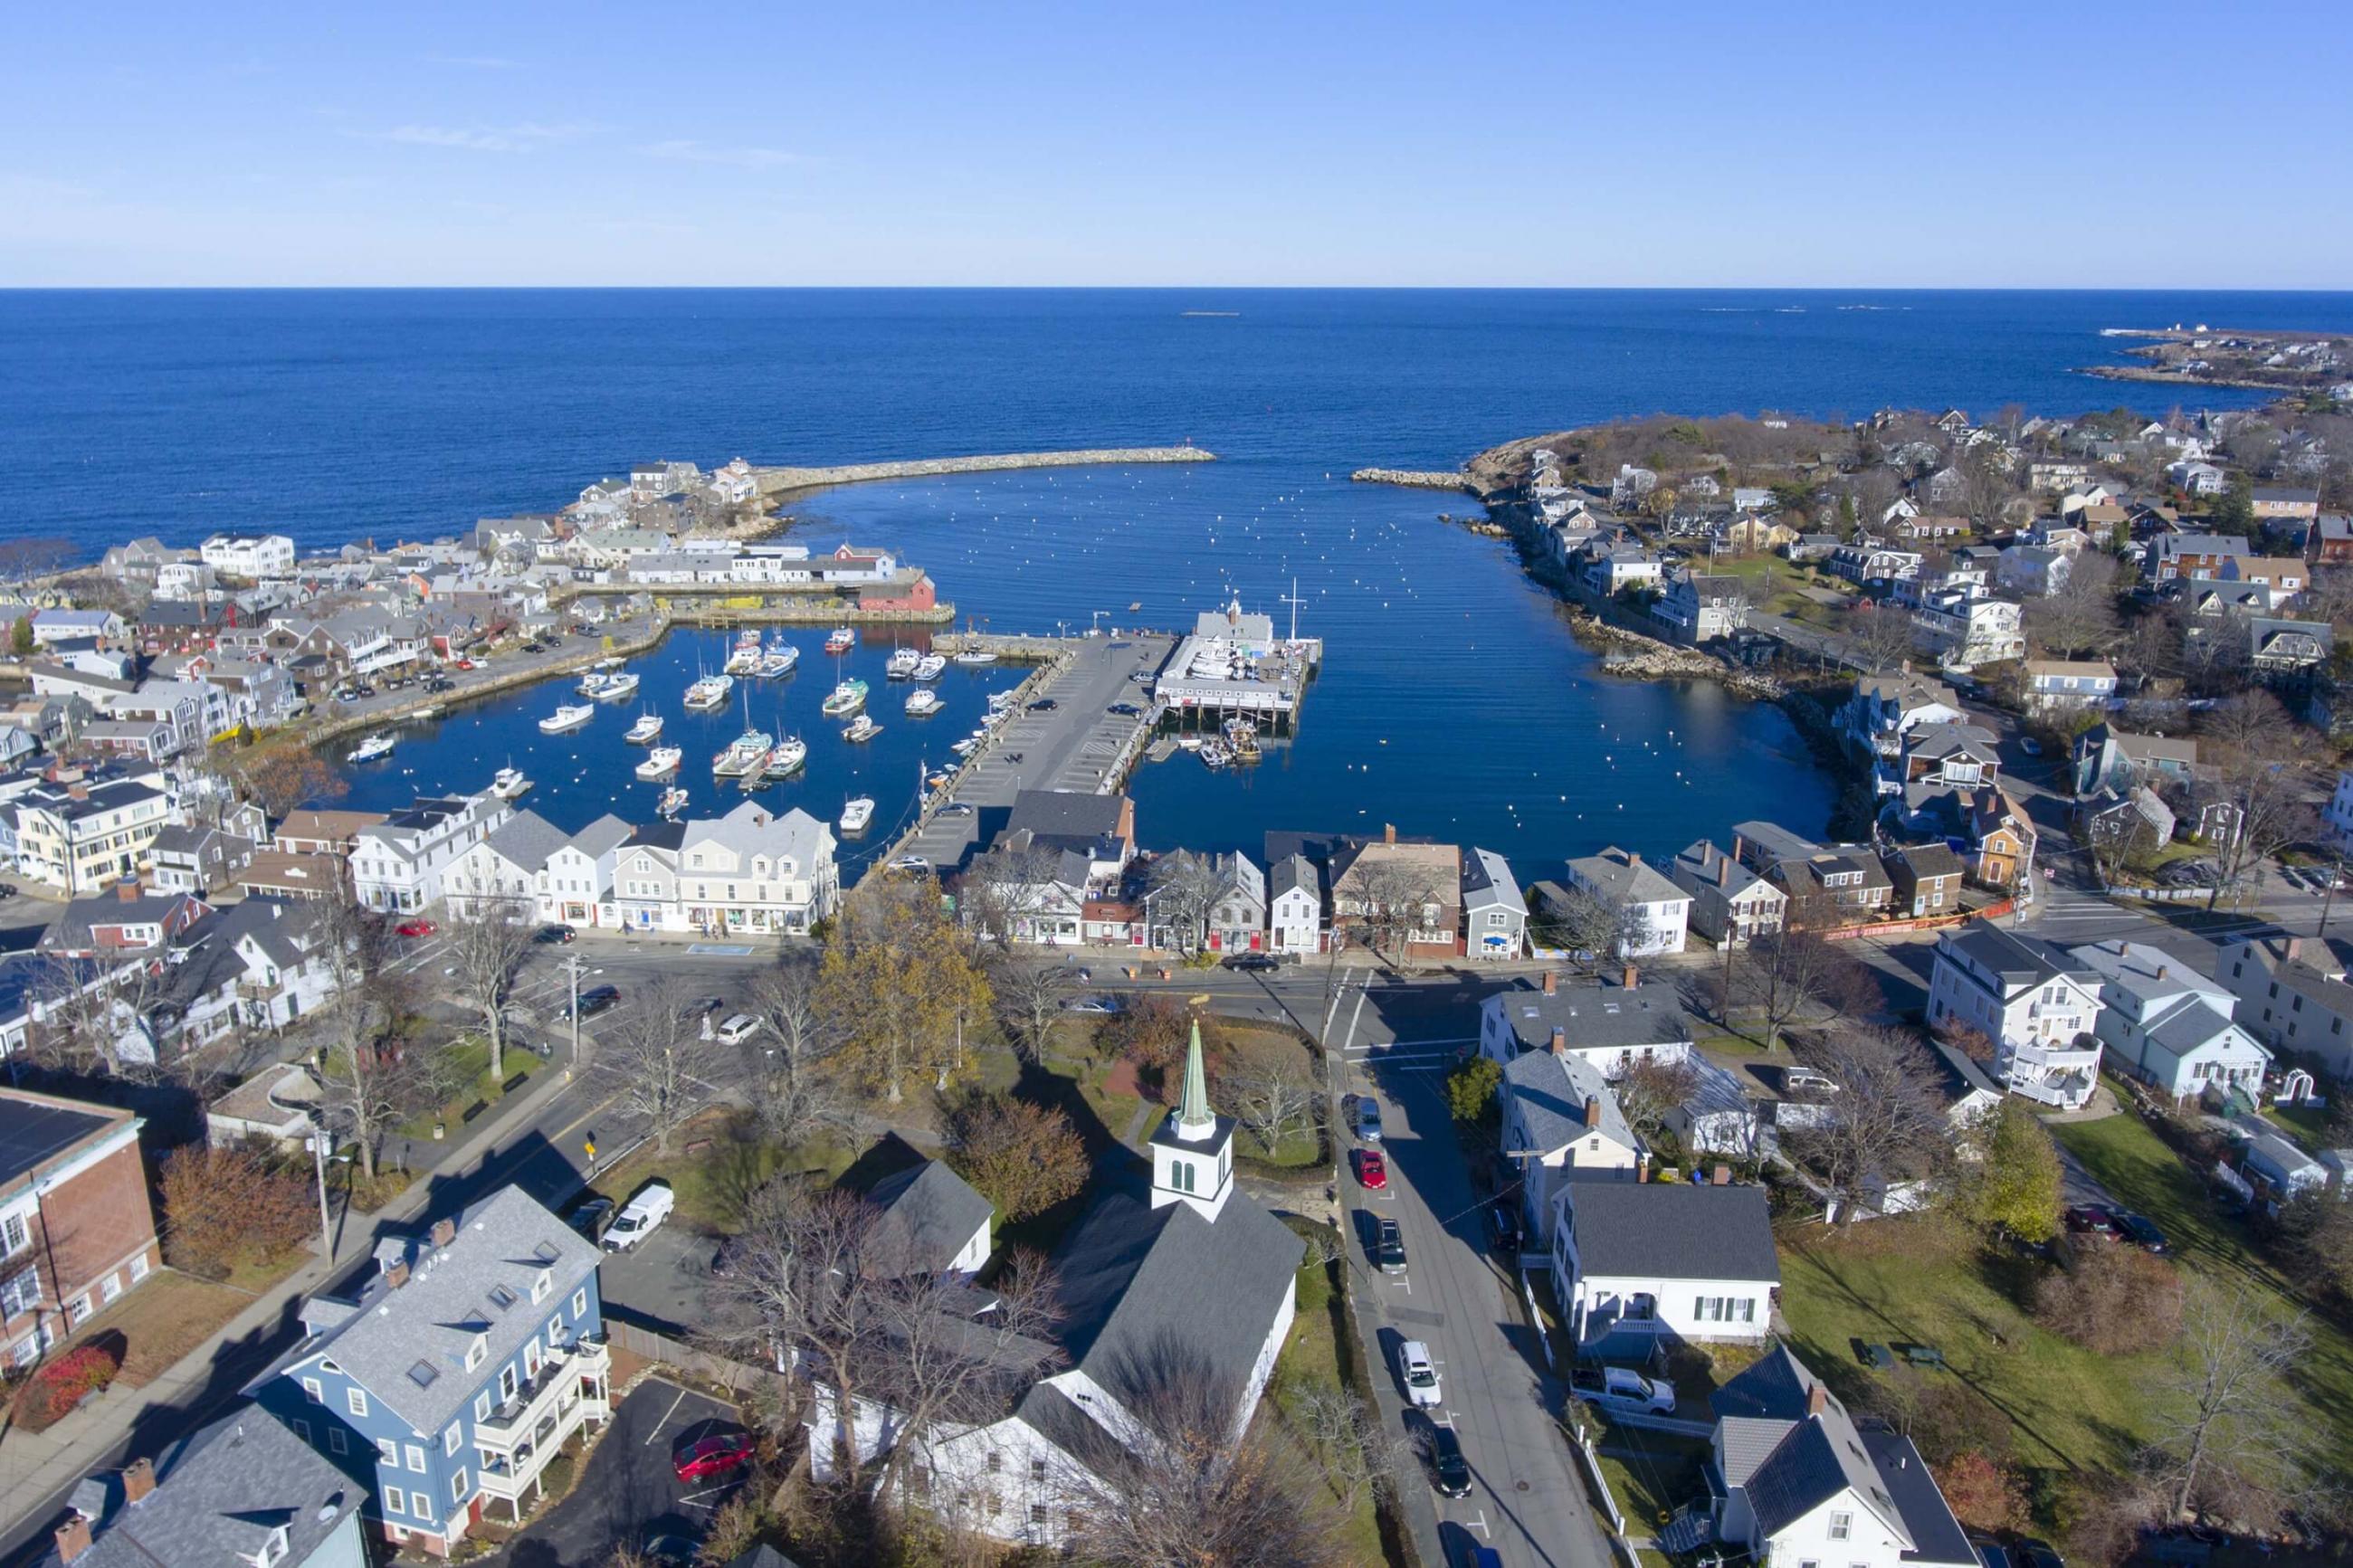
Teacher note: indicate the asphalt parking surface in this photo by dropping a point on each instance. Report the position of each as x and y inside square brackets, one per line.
[631, 1492]
[661, 1281]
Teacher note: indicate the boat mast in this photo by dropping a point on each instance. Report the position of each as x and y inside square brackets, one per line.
[1291, 599]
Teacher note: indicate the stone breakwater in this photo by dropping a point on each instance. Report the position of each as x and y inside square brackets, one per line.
[1415, 479]
[1637, 657]
[775, 481]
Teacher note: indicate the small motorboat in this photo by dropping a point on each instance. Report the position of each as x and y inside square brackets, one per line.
[646, 731]
[965, 748]
[931, 667]
[862, 727]
[778, 661]
[710, 692]
[571, 716]
[616, 688]
[845, 699]
[786, 760]
[856, 814]
[842, 640]
[975, 656]
[744, 756]
[745, 656]
[673, 801]
[592, 684]
[660, 763]
[922, 702]
[903, 663]
[509, 783]
[379, 744]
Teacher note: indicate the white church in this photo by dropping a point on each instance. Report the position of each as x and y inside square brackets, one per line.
[1195, 1275]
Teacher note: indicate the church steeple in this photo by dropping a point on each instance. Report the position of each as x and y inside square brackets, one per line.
[1195, 1119]
[1193, 1150]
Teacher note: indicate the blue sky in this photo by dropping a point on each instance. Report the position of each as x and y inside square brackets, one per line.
[1961, 145]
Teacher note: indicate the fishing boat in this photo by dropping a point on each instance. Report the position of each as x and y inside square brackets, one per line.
[856, 814]
[591, 684]
[673, 801]
[617, 688]
[710, 692]
[646, 731]
[922, 702]
[842, 640]
[778, 661]
[509, 783]
[845, 699]
[660, 763]
[931, 667]
[571, 716]
[903, 663]
[862, 727]
[379, 744]
[1216, 752]
[786, 759]
[745, 656]
[745, 756]
[975, 656]
[1241, 739]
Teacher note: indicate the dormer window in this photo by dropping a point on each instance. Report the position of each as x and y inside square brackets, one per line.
[477, 1352]
[542, 1284]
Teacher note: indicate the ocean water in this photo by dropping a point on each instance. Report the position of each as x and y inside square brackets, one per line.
[1453, 700]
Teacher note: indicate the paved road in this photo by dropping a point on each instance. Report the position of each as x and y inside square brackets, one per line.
[1074, 747]
[1526, 1499]
[630, 1490]
[499, 668]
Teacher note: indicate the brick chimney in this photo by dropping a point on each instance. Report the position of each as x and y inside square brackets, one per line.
[138, 1479]
[445, 1231]
[1551, 983]
[396, 1274]
[2160, 971]
[2294, 948]
[73, 1538]
[1818, 1399]
[1628, 975]
[1560, 1042]
[1593, 1110]
[1721, 1176]
[78, 792]
[1739, 847]
[1388, 832]
[127, 891]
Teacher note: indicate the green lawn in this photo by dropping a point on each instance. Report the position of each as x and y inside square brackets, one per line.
[468, 1062]
[715, 1162]
[2307, 1124]
[1651, 1474]
[1312, 1358]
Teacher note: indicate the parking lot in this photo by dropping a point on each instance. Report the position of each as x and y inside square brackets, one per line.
[661, 1281]
[630, 1490]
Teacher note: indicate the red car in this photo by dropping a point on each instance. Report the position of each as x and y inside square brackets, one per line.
[714, 1457]
[415, 928]
[1372, 1169]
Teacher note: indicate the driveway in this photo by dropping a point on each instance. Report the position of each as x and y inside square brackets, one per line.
[661, 1281]
[630, 1491]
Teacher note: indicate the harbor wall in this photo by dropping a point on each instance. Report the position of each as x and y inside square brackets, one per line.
[780, 480]
[1416, 478]
[337, 726]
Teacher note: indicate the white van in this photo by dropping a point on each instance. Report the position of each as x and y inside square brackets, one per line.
[641, 1219]
[739, 1027]
[1417, 1373]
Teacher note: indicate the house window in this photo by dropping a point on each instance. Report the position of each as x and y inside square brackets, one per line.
[416, 1459]
[389, 1450]
[1841, 1526]
[312, 1391]
[457, 1486]
[421, 1506]
[507, 1381]
[22, 1293]
[355, 1399]
[996, 1461]
[15, 1236]
[451, 1438]
[482, 1405]
[395, 1500]
[579, 1304]
[302, 1428]
[336, 1442]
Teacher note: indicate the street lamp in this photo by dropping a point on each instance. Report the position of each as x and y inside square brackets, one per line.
[572, 967]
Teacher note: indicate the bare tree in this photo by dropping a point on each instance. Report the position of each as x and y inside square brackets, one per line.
[2228, 1389]
[1188, 1491]
[84, 1011]
[1030, 998]
[790, 1089]
[1184, 888]
[2266, 769]
[1272, 1099]
[1001, 895]
[1650, 1089]
[645, 1048]
[372, 1080]
[1391, 900]
[1878, 635]
[1882, 1126]
[1358, 1453]
[1590, 929]
[2081, 616]
[1789, 979]
[487, 939]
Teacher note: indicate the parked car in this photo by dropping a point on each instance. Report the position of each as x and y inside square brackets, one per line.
[956, 808]
[2142, 1232]
[1251, 960]
[1369, 1119]
[1102, 1004]
[641, 1219]
[2090, 1219]
[911, 863]
[714, 1457]
[1990, 1554]
[1126, 709]
[1372, 1171]
[555, 935]
[1417, 1373]
[1388, 1246]
[1504, 1222]
[2029, 745]
[591, 1216]
[1044, 705]
[1449, 1472]
[415, 928]
[739, 1027]
[596, 998]
[1621, 1388]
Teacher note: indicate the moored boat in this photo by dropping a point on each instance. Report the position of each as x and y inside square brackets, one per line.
[841, 641]
[509, 783]
[901, 665]
[660, 763]
[591, 684]
[379, 744]
[571, 716]
[617, 688]
[786, 760]
[710, 692]
[778, 661]
[975, 656]
[673, 801]
[745, 656]
[922, 703]
[845, 699]
[646, 731]
[966, 747]
[862, 727]
[746, 754]
[856, 814]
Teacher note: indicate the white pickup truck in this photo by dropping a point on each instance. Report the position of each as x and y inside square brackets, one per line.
[641, 1219]
[1622, 1388]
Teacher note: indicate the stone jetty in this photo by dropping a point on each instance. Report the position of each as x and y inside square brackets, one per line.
[1415, 479]
[777, 481]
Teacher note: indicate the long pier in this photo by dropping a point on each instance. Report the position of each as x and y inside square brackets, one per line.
[784, 481]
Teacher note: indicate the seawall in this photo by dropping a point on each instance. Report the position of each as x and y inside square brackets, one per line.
[777, 481]
[1415, 479]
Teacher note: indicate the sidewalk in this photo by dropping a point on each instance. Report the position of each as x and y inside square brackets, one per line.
[37, 1468]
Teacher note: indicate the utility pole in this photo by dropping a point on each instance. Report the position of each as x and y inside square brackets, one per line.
[572, 967]
[2328, 896]
[318, 1141]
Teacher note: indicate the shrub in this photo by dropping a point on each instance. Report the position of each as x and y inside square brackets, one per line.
[1983, 1493]
[223, 1204]
[1024, 1158]
[51, 1393]
[2114, 1301]
[1470, 1090]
